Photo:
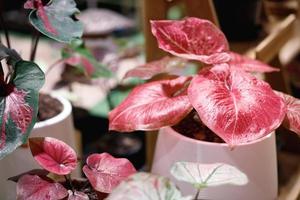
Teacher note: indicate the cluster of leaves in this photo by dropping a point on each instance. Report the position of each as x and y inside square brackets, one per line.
[106, 174]
[103, 172]
[20, 86]
[229, 100]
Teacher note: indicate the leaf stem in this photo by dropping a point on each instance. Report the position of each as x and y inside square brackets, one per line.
[197, 194]
[3, 25]
[34, 44]
[69, 181]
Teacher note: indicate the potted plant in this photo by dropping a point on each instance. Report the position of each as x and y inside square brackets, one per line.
[20, 84]
[224, 100]
[106, 175]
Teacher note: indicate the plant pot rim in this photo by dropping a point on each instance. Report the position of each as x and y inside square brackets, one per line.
[179, 136]
[67, 109]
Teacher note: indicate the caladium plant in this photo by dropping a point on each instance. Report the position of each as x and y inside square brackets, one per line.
[229, 100]
[20, 80]
[103, 172]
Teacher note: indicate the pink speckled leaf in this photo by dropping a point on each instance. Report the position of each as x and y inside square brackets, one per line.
[249, 65]
[32, 187]
[76, 60]
[38, 5]
[292, 118]
[76, 195]
[235, 105]
[151, 106]
[53, 155]
[106, 172]
[165, 65]
[192, 38]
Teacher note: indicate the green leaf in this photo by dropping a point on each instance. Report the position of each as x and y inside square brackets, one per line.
[18, 103]
[146, 186]
[59, 13]
[207, 175]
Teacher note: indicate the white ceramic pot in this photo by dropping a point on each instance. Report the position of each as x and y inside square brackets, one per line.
[257, 160]
[21, 160]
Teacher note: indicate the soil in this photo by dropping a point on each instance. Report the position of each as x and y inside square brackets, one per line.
[85, 187]
[192, 127]
[48, 107]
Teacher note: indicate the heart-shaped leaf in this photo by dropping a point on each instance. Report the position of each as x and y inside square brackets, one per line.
[76, 195]
[292, 118]
[207, 175]
[151, 106]
[53, 155]
[170, 65]
[32, 187]
[55, 20]
[235, 105]
[145, 186]
[38, 172]
[192, 38]
[106, 172]
[248, 64]
[18, 101]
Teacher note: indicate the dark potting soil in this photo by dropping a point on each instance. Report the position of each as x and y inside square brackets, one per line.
[85, 187]
[192, 127]
[48, 107]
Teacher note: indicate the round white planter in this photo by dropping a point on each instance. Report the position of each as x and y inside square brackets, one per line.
[257, 160]
[21, 160]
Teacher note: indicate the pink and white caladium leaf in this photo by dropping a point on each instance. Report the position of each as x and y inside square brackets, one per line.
[192, 38]
[32, 187]
[248, 64]
[55, 19]
[235, 105]
[145, 186]
[292, 118]
[106, 172]
[76, 195]
[18, 101]
[170, 65]
[53, 155]
[208, 175]
[152, 105]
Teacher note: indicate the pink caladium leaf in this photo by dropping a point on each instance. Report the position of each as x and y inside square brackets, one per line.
[249, 65]
[38, 5]
[106, 172]
[235, 105]
[76, 60]
[53, 155]
[32, 187]
[292, 118]
[165, 65]
[152, 105]
[192, 38]
[76, 195]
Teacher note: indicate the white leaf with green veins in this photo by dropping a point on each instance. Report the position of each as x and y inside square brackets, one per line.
[207, 175]
[145, 186]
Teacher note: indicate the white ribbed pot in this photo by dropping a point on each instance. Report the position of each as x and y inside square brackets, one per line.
[257, 160]
[60, 127]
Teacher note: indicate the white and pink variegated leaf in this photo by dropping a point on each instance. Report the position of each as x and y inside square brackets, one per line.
[106, 172]
[292, 118]
[32, 187]
[192, 38]
[235, 105]
[152, 105]
[248, 64]
[170, 65]
[53, 155]
[76, 195]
